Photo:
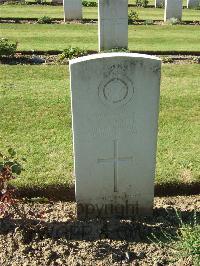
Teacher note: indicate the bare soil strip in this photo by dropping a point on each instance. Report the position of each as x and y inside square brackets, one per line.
[56, 237]
[59, 4]
[52, 57]
[20, 20]
[179, 54]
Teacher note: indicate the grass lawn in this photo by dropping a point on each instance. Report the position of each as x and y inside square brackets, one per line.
[36, 121]
[37, 11]
[58, 37]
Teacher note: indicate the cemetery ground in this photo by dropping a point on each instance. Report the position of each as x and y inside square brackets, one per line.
[46, 131]
[146, 37]
[36, 119]
[59, 239]
[35, 110]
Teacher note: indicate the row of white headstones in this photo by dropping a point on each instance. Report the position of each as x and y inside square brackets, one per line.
[113, 19]
[173, 8]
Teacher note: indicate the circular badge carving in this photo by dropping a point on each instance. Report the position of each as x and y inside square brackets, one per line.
[116, 91]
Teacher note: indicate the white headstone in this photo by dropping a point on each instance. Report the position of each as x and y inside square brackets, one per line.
[112, 24]
[72, 9]
[159, 3]
[193, 3]
[173, 9]
[115, 102]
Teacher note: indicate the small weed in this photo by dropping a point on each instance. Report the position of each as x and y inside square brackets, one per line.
[44, 20]
[189, 243]
[185, 244]
[133, 16]
[72, 52]
[167, 60]
[196, 60]
[7, 47]
[89, 3]
[142, 3]
[10, 165]
[173, 21]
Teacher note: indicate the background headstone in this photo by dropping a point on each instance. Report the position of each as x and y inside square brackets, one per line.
[115, 101]
[72, 9]
[112, 24]
[193, 3]
[173, 9]
[159, 3]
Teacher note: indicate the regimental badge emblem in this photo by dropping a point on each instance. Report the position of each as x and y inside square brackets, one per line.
[116, 90]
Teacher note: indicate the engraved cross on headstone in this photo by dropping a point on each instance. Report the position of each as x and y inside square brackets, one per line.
[115, 160]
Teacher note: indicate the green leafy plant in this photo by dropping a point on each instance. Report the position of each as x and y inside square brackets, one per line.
[89, 3]
[142, 3]
[10, 166]
[7, 48]
[44, 20]
[72, 52]
[133, 16]
[167, 59]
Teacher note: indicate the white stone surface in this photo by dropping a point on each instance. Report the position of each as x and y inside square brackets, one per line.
[72, 9]
[159, 3]
[193, 3]
[115, 102]
[173, 9]
[112, 24]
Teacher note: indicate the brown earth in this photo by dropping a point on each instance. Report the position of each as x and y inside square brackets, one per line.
[19, 20]
[55, 237]
[49, 59]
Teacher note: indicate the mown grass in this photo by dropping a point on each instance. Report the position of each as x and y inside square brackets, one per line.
[58, 37]
[36, 11]
[36, 121]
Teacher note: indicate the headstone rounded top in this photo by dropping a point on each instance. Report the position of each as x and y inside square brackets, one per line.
[112, 55]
